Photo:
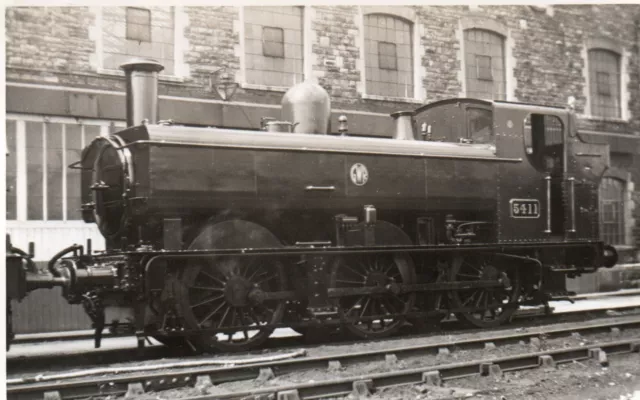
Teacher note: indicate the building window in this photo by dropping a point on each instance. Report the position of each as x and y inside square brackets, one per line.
[388, 56]
[612, 211]
[50, 190]
[138, 32]
[273, 45]
[138, 24]
[604, 82]
[273, 42]
[485, 70]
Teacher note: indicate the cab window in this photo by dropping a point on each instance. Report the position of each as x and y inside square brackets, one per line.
[544, 138]
[480, 125]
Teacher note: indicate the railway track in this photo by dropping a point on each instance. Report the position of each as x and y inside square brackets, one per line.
[365, 384]
[163, 378]
[97, 357]
[93, 357]
[88, 334]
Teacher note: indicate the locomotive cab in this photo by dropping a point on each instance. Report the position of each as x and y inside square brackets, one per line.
[556, 170]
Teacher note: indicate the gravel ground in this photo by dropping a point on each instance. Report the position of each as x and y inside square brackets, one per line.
[537, 384]
[456, 356]
[571, 381]
[451, 337]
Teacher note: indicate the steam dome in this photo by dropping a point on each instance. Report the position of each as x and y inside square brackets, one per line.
[308, 106]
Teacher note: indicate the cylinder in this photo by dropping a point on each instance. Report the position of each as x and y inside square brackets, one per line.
[308, 106]
[404, 125]
[142, 90]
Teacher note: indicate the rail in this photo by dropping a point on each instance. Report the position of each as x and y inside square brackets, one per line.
[118, 385]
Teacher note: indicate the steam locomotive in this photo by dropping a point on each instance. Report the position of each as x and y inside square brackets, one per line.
[216, 237]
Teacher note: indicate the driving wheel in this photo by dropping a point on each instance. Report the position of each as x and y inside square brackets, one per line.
[490, 307]
[228, 293]
[375, 315]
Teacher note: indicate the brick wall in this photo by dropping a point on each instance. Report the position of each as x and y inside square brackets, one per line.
[56, 44]
[336, 51]
[48, 44]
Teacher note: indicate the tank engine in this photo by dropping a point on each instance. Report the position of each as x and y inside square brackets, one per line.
[215, 237]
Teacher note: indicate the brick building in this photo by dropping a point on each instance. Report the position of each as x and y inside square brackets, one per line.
[64, 88]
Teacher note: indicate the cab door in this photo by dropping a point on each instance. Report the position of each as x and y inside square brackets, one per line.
[545, 136]
[531, 190]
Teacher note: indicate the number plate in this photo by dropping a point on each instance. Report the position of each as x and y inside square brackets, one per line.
[524, 208]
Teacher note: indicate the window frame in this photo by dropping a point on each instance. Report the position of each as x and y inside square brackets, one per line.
[148, 25]
[595, 86]
[280, 43]
[619, 235]
[180, 69]
[505, 63]
[480, 76]
[381, 55]
[305, 46]
[470, 108]
[414, 52]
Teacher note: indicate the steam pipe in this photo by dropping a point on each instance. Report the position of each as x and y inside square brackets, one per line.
[142, 90]
[52, 263]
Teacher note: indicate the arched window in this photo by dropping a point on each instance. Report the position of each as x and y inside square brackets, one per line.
[485, 64]
[604, 83]
[388, 42]
[612, 211]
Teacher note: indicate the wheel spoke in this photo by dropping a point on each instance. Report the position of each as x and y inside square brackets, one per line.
[365, 307]
[354, 305]
[473, 267]
[265, 280]
[247, 267]
[255, 272]
[212, 277]
[482, 293]
[211, 314]
[356, 272]
[469, 298]
[366, 267]
[212, 289]
[224, 316]
[208, 301]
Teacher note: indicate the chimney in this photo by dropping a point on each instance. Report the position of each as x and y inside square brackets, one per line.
[404, 125]
[142, 90]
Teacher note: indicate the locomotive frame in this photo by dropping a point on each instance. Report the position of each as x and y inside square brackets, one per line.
[299, 229]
